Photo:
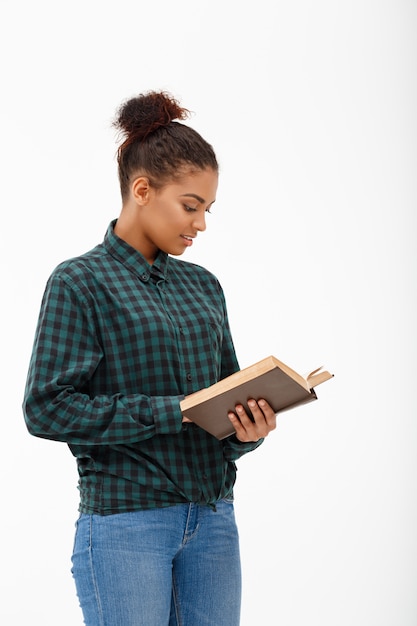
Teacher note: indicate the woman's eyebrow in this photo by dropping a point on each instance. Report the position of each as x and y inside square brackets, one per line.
[194, 195]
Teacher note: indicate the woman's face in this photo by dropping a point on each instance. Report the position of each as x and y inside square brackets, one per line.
[171, 217]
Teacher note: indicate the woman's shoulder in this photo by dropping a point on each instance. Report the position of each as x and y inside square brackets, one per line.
[82, 266]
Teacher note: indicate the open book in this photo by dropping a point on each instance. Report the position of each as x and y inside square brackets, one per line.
[270, 379]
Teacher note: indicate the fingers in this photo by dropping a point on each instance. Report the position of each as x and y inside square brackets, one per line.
[263, 421]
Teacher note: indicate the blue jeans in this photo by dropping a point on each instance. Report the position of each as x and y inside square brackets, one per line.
[175, 566]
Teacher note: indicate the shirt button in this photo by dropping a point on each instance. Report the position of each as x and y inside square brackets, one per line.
[189, 377]
[144, 276]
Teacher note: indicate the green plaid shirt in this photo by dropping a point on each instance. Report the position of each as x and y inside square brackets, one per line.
[118, 344]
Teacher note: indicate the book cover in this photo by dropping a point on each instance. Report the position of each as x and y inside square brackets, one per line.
[279, 385]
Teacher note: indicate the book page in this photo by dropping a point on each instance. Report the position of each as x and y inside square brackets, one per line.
[318, 376]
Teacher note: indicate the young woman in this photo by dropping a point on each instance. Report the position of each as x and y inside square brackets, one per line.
[124, 333]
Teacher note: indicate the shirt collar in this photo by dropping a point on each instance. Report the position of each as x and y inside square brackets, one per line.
[133, 259]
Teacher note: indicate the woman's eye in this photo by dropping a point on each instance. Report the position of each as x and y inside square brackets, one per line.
[191, 209]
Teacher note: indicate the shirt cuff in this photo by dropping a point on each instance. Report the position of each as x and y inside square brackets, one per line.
[167, 414]
[236, 449]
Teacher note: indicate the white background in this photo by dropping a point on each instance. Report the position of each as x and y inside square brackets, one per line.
[311, 107]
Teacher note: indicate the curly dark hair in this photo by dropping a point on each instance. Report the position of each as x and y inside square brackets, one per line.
[156, 146]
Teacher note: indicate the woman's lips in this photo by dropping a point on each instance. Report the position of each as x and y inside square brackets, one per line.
[188, 240]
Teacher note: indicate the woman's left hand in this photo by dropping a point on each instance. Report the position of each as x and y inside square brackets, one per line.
[259, 426]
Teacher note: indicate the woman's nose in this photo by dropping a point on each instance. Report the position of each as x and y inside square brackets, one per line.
[199, 221]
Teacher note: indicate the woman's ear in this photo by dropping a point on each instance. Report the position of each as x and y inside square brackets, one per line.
[140, 190]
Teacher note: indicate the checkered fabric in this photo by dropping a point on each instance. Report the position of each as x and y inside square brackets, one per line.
[118, 344]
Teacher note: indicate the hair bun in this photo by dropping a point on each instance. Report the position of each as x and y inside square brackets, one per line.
[156, 146]
[140, 116]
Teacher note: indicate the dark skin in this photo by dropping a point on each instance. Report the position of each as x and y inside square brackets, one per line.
[264, 421]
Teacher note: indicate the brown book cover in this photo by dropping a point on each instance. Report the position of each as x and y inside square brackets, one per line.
[270, 379]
